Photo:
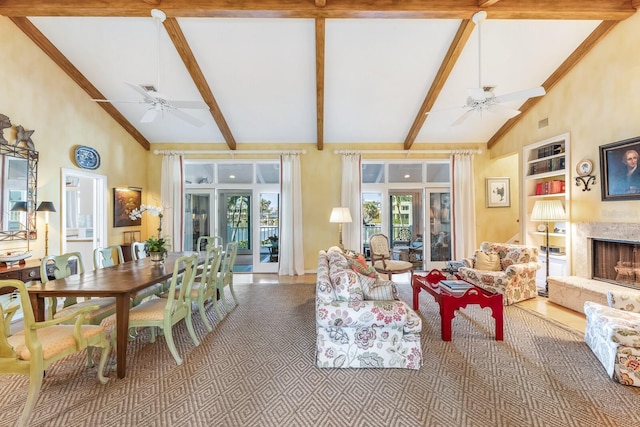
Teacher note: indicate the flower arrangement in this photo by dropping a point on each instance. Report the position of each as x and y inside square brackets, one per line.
[154, 244]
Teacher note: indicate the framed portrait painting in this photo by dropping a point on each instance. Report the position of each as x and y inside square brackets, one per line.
[620, 171]
[125, 200]
[498, 193]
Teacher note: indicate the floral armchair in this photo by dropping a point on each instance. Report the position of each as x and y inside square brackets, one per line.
[613, 334]
[360, 322]
[504, 268]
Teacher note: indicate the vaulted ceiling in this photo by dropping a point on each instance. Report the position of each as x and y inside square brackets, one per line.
[343, 71]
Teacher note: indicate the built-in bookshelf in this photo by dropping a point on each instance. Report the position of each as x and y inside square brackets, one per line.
[546, 174]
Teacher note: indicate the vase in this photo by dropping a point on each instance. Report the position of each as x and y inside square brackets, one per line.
[156, 257]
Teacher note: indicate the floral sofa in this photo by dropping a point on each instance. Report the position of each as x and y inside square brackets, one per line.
[514, 275]
[360, 322]
[613, 334]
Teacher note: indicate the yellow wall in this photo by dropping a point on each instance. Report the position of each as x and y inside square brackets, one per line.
[39, 96]
[598, 102]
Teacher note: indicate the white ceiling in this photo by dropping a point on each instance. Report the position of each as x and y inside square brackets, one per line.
[262, 72]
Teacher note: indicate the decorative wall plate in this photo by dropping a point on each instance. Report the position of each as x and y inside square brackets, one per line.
[542, 227]
[584, 167]
[87, 157]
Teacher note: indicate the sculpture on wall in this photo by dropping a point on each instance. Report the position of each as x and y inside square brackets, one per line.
[24, 136]
[5, 123]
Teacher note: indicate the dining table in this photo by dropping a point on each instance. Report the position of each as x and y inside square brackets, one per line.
[121, 281]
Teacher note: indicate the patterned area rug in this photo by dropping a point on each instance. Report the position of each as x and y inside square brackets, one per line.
[257, 369]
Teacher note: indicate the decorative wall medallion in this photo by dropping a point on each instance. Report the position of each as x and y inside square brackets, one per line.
[584, 167]
[87, 157]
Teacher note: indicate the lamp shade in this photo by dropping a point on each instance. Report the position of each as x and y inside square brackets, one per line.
[548, 210]
[19, 207]
[46, 207]
[340, 215]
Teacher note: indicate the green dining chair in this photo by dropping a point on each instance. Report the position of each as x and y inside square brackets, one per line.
[163, 313]
[205, 286]
[31, 351]
[225, 278]
[107, 257]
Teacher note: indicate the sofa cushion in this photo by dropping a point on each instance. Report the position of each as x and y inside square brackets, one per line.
[487, 261]
[346, 285]
[359, 265]
[374, 288]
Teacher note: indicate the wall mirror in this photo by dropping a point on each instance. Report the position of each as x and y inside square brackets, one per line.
[18, 184]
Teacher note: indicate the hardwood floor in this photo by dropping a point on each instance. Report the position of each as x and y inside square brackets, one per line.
[571, 318]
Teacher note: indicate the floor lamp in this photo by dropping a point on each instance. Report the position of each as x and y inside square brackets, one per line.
[340, 216]
[46, 207]
[547, 211]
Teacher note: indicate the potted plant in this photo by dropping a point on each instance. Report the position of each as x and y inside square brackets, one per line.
[155, 245]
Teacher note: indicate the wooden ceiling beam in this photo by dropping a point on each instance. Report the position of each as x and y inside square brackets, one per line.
[613, 10]
[320, 40]
[455, 49]
[181, 45]
[59, 59]
[564, 68]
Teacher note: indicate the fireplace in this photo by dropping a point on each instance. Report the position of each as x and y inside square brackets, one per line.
[616, 261]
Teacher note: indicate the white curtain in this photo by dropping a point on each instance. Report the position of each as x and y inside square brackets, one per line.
[463, 206]
[351, 236]
[172, 199]
[291, 251]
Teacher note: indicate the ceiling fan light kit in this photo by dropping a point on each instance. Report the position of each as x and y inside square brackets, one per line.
[482, 98]
[156, 102]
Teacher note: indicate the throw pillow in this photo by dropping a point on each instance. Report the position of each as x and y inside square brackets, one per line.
[374, 288]
[487, 261]
[359, 265]
[346, 285]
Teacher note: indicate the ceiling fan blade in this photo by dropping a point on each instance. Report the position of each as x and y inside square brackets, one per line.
[149, 115]
[196, 105]
[147, 95]
[503, 111]
[116, 101]
[463, 117]
[184, 116]
[522, 94]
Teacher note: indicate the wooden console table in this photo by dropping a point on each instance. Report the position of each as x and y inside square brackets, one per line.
[27, 271]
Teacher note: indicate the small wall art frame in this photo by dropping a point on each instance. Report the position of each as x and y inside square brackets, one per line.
[498, 193]
[125, 200]
[619, 170]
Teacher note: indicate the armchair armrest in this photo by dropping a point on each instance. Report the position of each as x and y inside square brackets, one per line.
[627, 300]
[372, 313]
[525, 267]
[468, 262]
[81, 342]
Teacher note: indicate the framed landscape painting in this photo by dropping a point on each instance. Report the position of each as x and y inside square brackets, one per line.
[498, 193]
[620, 171]
[125, 200]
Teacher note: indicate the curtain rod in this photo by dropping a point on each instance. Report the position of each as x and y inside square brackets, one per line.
[230, 152]
[408, 152]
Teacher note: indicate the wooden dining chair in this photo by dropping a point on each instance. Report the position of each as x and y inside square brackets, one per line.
[163, 313]
[106, 306]
[225, 277]
[31, 351]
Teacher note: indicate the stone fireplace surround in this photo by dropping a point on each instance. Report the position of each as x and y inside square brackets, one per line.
[573, 291]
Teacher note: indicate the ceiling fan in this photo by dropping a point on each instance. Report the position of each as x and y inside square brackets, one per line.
[156, 102]
[482, 98]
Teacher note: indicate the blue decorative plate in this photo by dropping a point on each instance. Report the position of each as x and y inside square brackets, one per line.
[87, 157]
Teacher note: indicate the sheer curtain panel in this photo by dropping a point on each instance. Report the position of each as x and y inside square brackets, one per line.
[351, 167]
[291, 258]
[172, 199]
[463, 205]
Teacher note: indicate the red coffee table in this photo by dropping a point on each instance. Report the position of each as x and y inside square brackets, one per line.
[449, 302]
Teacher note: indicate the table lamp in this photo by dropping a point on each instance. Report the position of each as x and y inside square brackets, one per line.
[547, 211]
[340, 216]
[46, 207]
